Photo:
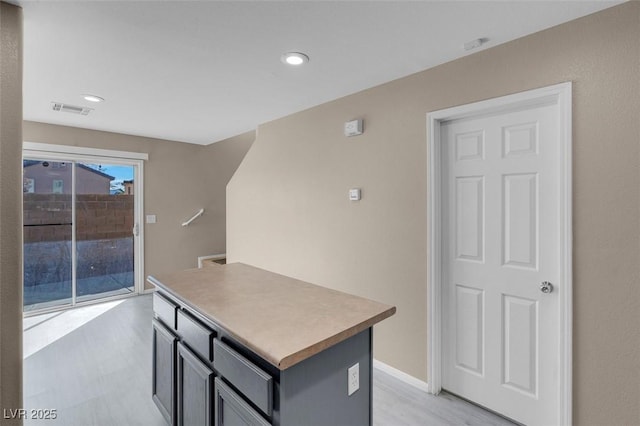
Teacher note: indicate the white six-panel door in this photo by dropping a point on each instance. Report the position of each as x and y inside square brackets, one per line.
[500, 234]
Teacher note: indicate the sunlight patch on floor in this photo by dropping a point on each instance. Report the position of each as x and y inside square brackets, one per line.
[42, 330]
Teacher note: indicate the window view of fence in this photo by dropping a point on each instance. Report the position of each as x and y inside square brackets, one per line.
[103, 224]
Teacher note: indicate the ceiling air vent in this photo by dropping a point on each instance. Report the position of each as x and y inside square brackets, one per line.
[73, 109]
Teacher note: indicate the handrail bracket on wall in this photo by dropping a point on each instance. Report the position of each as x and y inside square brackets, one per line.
[194, 217]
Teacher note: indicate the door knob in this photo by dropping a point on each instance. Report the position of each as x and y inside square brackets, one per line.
[546, 287]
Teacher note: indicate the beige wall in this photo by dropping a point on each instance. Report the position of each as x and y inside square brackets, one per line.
[287, 207]
[10, 209]
[179, 179]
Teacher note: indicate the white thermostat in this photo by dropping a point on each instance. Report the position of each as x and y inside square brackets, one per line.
[354, 194]
[353, 127]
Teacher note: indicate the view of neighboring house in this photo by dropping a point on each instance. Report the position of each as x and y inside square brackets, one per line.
[128, 187]
[44, 177]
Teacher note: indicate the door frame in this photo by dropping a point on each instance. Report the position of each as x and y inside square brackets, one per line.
[561, 96]
[78, 154]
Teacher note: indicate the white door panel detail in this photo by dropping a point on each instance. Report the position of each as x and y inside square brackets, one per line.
[520, 140]
[470, 218]
[520, 198]
[470, 146]
[520, 341]
[469, 329]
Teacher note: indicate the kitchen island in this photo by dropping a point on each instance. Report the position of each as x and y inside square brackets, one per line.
[236, 344]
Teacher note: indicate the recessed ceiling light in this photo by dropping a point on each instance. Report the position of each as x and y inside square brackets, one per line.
[92, 98]
[294, 58]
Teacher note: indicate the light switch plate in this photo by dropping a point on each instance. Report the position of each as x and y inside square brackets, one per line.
[353, 127]
[355, 194]
[151, 218]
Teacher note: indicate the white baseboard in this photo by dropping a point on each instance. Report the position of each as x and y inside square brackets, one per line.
[401, 375]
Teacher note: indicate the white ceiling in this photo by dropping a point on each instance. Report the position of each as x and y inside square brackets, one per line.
[200, 72]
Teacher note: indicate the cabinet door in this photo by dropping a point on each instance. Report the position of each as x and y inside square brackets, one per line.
[163, 373]
[195, 386]
[232, 410]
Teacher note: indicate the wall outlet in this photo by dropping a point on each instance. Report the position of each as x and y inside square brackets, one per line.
[353, 378]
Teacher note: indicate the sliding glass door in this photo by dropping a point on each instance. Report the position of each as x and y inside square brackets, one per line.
[104, 231]
[79, 231]
[48, 234]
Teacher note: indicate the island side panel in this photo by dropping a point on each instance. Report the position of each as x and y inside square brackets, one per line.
[314, 392]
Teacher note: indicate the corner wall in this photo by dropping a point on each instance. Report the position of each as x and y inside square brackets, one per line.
[10, 210]
[288, 210]
[179, 179]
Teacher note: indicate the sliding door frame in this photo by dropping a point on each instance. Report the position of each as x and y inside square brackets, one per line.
[42, 151]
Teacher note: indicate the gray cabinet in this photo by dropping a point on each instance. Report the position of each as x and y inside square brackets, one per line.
[194, 390]
[203, 376]
[163, 373]
[232, 410]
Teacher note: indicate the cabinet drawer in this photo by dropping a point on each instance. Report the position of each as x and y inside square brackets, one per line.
[254, 383]
[231, 409]
[196, 335]
[165, 310]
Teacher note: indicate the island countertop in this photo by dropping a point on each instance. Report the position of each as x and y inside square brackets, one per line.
[282, 319]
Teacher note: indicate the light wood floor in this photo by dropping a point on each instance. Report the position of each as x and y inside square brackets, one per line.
[93, 366]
